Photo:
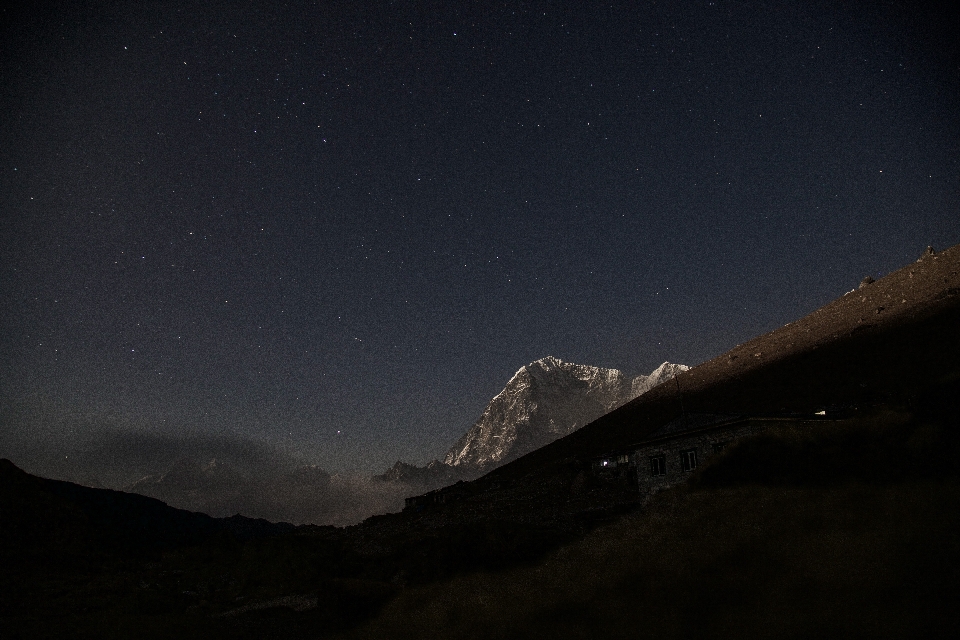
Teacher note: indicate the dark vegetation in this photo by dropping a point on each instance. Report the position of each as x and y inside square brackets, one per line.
[746, 561]
[846, 529]
[852, 534]
[890, 445]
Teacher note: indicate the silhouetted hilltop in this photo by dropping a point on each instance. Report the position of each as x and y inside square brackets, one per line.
[63, 518]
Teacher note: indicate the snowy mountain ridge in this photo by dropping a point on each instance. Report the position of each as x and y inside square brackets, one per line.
[546, 400]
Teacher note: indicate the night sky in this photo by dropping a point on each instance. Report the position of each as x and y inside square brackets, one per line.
[342, 227]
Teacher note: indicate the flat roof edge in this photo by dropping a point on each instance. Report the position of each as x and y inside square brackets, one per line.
[712, 427]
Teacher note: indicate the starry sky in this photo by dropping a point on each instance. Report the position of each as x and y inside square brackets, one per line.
[342, 226]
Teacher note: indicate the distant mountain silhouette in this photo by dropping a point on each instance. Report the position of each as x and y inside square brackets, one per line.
[300, 494]
[65, 517]
[436, 473]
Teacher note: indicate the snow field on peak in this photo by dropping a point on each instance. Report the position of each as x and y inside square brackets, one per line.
[546, 400]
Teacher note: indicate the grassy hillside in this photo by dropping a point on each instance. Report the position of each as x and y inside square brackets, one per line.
[850, 531]
[843, 530]
[849, 561]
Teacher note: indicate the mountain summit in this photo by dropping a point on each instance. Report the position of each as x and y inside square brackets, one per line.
[546, 400]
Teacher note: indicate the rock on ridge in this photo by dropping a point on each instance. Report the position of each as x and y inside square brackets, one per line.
[546, 400]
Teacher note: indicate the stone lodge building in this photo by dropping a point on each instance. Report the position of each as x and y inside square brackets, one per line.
[671, 453]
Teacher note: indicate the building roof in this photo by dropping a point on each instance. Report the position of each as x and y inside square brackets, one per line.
[693, 422]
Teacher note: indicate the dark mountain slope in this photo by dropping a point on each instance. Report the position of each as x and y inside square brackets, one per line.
[846, 529]
[66, 548]
[840, 561]
[61, 519]
[886, 342]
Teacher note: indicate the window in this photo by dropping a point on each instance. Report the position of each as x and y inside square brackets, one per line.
[720, 446]
[688, 459]
[623, 459]
[658, 465]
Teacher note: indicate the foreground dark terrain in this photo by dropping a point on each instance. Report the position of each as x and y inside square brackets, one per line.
[845, 529]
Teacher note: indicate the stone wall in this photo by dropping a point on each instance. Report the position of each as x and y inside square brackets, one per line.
[680, 455]
[703, 445]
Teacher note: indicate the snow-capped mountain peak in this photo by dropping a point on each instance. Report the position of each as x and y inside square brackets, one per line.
[545, 400]
[666, 371]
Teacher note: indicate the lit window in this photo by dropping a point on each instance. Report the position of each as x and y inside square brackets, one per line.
[658, 465]
[688, 459]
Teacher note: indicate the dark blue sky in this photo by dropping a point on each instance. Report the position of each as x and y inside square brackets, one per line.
[282, 222]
